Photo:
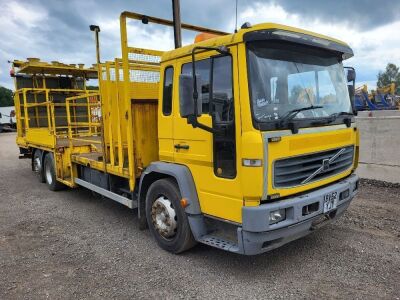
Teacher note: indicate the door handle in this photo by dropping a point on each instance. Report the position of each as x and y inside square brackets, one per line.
[179, 146]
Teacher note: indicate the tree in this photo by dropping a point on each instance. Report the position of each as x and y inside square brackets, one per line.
[390, 75]
[6, 97]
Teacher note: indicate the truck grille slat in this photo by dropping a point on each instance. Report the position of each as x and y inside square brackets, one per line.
[309, 158]
[293, 171]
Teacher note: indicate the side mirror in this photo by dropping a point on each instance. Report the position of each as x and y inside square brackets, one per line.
[351, 75]
[186, 101]
[351, 86]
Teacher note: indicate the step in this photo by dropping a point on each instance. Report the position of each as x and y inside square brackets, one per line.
[219, 243]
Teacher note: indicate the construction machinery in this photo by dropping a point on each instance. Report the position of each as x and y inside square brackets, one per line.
[381, 99]
[242, 141]
[388, 95]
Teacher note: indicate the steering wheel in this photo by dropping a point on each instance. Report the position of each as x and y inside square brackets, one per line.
[226, 106]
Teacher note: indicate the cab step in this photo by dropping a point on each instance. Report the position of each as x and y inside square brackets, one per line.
[219, 243]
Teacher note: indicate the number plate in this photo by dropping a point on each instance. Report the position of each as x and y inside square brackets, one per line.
[330, 201]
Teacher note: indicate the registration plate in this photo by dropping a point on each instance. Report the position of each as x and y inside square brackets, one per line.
[330, 201]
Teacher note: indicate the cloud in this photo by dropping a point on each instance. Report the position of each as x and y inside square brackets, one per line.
[362, 15]
[58, 29]
[373, 48]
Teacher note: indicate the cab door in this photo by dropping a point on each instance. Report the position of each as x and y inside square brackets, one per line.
[212, 157]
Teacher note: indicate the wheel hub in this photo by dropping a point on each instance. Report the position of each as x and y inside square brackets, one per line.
[49, 178]
[37, 164]
[164, 217]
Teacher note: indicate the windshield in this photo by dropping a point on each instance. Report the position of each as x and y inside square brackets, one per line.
[285, 77]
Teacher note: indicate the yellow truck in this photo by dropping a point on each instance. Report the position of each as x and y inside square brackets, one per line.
[242, 141]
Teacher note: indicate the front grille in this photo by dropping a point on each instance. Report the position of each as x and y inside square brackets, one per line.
[297, 170]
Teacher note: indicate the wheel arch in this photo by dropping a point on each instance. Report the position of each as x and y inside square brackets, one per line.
[183, 177]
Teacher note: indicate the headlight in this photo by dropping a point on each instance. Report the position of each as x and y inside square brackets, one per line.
[276, 216]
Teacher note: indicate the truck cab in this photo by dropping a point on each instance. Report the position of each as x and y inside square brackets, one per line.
[270, 141]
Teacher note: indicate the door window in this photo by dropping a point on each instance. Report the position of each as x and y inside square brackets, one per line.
[222, 104]
[222, 94]
[167, 91]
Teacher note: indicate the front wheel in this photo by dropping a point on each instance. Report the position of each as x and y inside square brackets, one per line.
[166, 218]
[50, 173]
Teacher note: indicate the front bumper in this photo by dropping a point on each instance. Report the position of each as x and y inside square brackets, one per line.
[256, 234]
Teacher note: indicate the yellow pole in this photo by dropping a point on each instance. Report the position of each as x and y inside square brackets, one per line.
[120, 150]
[96, 29]
[26, 119]
[127, 102]
[109, 107]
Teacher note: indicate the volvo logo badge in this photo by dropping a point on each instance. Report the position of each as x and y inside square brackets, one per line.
[325, 165]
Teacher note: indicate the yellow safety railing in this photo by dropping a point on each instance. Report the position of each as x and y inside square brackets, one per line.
[84, 118]
[38, 108]
[135, 62]
[117, 108]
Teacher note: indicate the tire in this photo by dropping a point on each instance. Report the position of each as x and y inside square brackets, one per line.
[50, 174]
[161, 194]
[38, 165]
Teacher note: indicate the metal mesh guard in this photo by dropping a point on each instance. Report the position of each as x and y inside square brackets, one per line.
[135, 76]
[144, 57]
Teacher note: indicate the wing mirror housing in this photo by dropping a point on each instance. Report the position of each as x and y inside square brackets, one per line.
[351, 75]
[187, 105]
[351, 86]
[190, 101]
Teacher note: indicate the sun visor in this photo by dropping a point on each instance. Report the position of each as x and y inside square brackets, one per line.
[298, 38]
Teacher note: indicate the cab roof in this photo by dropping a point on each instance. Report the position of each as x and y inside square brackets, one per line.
[235, 38]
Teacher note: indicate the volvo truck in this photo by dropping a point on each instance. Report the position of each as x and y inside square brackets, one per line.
[242, 141]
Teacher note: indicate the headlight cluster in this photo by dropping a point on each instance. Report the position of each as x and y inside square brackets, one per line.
[277, 216]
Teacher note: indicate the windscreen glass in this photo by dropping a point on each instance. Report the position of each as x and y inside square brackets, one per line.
[286, 77]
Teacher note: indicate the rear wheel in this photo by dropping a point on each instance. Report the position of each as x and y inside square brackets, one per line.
[37, 165]
[166, 218]
[50, 173]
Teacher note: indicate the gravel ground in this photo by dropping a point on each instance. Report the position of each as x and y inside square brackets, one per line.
[71, 244]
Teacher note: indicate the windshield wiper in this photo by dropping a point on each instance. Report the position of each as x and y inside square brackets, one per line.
[293, 113]
[347, 121]
[334, 116]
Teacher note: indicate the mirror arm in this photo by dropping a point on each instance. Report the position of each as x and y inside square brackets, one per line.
[196, 124]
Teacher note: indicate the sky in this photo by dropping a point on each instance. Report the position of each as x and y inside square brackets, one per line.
[58, 30]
